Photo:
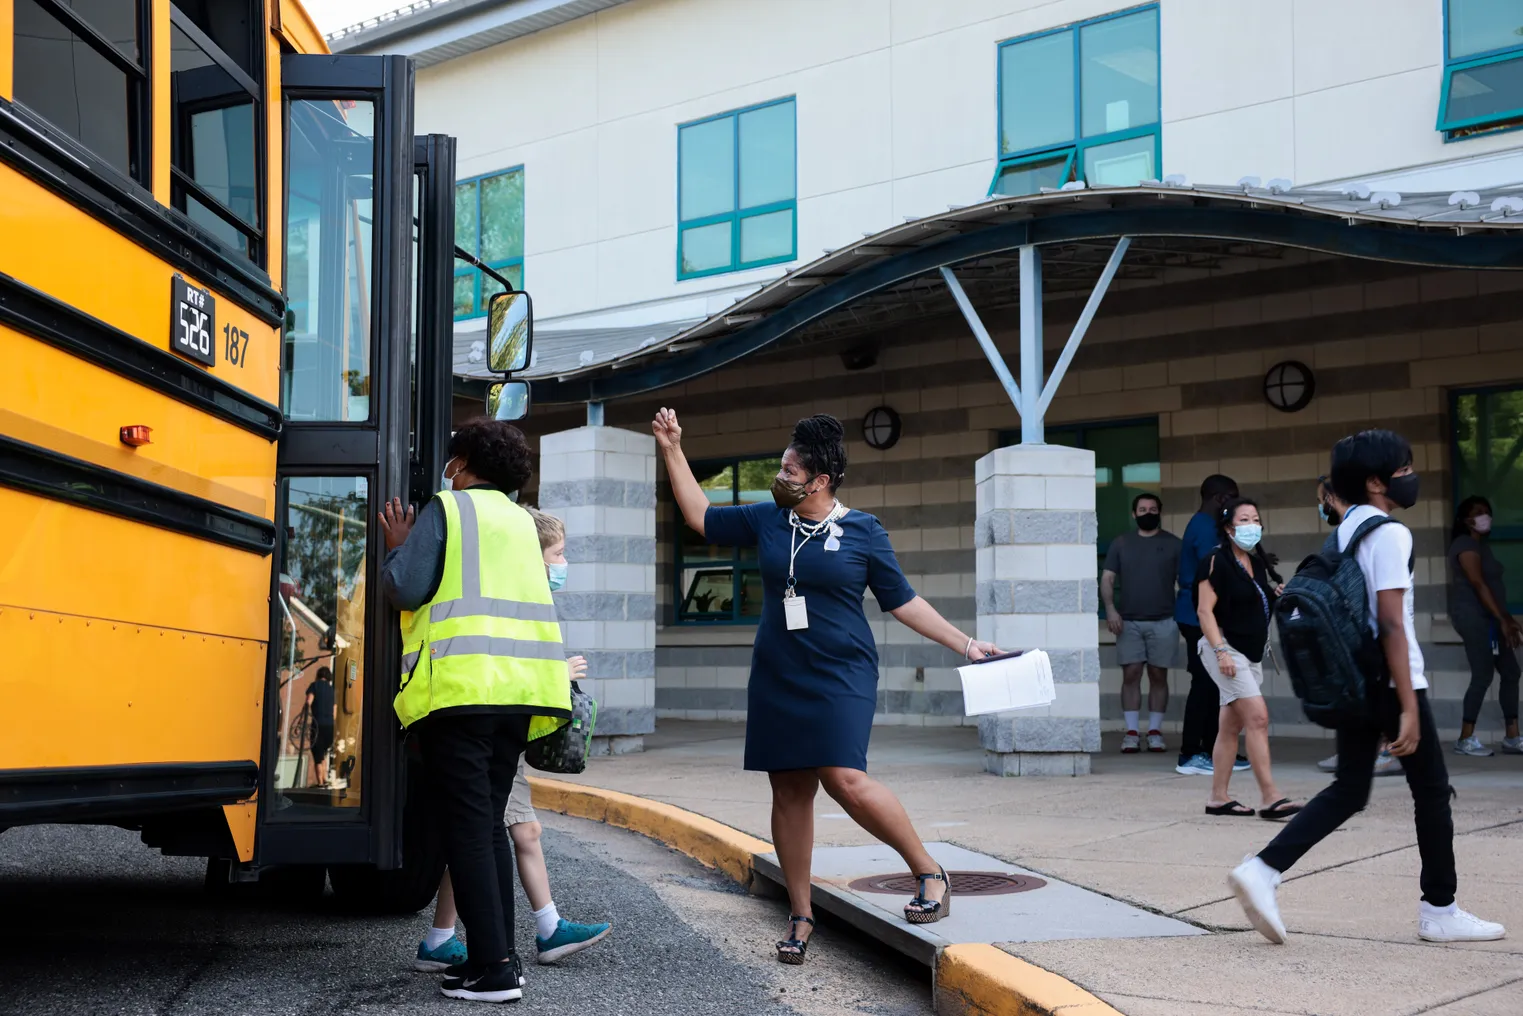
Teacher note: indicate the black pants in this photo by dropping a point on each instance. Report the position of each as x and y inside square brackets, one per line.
[1203, 706]
[468, 766]
[1427, 778]
[1477, 638]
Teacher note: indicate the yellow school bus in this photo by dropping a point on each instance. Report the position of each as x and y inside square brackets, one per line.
[225, 316]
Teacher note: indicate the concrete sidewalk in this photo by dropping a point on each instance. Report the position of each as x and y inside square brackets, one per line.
[1135, 830]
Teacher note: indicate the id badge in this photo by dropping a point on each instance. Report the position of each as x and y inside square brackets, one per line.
[795, 613]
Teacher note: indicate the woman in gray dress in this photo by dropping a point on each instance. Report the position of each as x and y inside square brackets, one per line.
[1478, 611]
[814, 668]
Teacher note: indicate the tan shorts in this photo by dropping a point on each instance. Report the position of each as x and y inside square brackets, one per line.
[520, 805]
[1243, 684]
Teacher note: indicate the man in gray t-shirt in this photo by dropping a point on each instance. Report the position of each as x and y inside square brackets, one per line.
[1147, 563]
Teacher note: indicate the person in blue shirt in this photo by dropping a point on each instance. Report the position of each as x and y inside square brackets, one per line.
[1204, 702]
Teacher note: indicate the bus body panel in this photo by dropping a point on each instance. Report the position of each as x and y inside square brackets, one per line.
[168, 695]
[55, 400]
[52, 246]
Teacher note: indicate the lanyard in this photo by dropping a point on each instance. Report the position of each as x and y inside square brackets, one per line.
[810, 531]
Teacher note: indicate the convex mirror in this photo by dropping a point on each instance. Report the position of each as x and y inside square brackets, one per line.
[508, 400]
[510, 332]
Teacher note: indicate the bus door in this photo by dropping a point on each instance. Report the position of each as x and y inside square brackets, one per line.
[329, 792]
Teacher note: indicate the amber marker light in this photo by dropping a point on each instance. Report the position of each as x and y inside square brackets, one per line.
[136, 436]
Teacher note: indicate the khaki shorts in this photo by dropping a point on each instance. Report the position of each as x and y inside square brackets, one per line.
[1155, 643]
[1243, 684]
[520, 806]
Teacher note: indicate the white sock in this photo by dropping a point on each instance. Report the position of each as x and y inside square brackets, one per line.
[1155, 721]
[1131, 719]
[1429, 908]
[437, 937]
[546, 920]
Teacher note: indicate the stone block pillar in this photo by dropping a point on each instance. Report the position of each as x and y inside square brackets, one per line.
[1035, 534]
[601, 481]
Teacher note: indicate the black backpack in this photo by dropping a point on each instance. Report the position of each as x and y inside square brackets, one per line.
[1333, 659]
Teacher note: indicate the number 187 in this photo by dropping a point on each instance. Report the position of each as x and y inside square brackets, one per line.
[235, 345]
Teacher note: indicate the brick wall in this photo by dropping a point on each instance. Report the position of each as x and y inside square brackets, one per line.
[1386, 344]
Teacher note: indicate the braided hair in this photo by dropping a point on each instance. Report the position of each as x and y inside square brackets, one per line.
[820, 443]
[1225, 519]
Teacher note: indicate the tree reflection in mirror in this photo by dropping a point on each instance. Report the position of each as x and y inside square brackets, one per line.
[510, 327]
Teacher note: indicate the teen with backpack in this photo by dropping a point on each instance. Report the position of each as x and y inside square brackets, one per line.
[1364, 686]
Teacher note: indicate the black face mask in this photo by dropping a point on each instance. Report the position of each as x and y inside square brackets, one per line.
[1403, 490]
[1149, 522]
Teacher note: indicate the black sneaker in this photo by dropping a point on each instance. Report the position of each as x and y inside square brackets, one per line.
[501, 982]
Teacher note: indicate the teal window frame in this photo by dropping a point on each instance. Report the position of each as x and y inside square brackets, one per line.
[1503, 531]
[474, 247]
[1459, 130]
[1075, 148]
[738, 213]
[739, 565]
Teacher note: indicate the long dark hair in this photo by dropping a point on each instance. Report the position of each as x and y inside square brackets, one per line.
[1225, 519]
[1462, 512]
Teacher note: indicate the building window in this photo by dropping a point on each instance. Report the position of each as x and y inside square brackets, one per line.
[1080, 103]
[1483, 67]
[1487, 429]
[216, 70]
[736, 190]
[83, 67]
[1126, 464]
[489, 222]
[723, 584]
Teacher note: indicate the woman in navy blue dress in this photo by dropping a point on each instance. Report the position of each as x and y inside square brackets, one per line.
[814, 669]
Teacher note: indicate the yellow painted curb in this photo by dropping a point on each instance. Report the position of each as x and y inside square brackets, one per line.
[704, 840]
[980, 980]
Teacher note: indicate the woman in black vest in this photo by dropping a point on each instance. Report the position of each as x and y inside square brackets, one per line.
[1236, 590]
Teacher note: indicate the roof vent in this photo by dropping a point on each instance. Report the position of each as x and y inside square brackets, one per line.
[1073, 185]
[1249, 182]
[1279, 185]
[1358, 192]
[1465, 199]
[1176, 180]
[587, 357]
[478, 351]
[1385, 198]
[1507, 206]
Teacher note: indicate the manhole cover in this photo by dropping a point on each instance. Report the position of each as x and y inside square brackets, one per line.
[964, 883]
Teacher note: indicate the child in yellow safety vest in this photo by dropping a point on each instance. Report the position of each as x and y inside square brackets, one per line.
[555, 936]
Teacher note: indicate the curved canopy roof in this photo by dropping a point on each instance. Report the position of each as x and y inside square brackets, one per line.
[882, 277]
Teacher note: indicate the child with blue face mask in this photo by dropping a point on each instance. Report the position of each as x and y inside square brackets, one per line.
[555, 936]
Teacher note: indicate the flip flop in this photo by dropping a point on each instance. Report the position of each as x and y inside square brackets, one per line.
[1230, 808]
[1280, 809]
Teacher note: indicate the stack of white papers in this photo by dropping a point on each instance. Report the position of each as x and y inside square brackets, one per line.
[1015, 682]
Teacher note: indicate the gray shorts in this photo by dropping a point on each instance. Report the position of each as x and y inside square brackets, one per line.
[1243, 684]
[520, 804]
[1155, 643]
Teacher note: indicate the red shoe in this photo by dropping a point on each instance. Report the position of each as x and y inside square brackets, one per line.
[1131, 743]
[1155, 740]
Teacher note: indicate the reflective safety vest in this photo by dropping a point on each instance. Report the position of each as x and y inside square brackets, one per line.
[489, 636]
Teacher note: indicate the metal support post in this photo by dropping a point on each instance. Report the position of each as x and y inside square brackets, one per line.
[1082, 325]
[982, 335]
[1031, 346]
[594, 414]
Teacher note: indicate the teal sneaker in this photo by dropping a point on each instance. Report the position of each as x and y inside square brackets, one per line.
[438, 960]
[569, 938]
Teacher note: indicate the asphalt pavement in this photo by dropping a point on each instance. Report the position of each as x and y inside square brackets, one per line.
[94, 922]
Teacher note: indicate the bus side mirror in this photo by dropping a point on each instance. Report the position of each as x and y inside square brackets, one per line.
[510, 329]
[508, 400]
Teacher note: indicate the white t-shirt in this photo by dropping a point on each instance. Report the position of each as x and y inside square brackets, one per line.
[1385, 557]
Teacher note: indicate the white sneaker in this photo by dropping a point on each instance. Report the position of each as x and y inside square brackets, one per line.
[1329, 764]
[1387, 764]
[1130, 743]
[1512, 745]
[1451, 924]
[1254, 884]
[1155, 741]
[1472, 746]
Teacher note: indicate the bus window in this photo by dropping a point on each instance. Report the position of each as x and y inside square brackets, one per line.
[329, 260]
[96, 93]
[322, 643]
[216, 136]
